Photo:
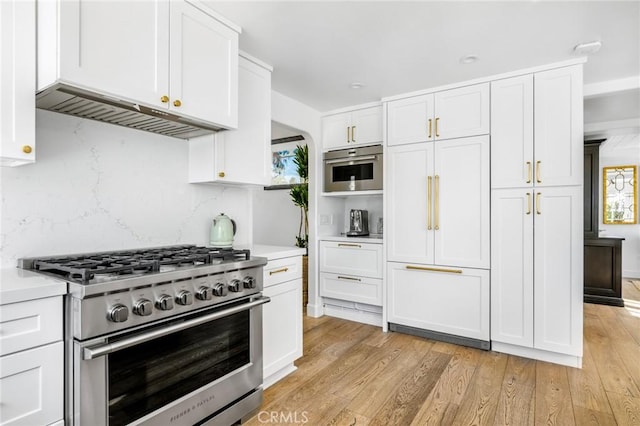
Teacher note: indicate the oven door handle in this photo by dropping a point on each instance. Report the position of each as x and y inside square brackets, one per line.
[105, 349]
[350, 159]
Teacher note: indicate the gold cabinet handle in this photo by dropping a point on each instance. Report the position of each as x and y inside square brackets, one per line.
[353, 134]
[349, 245]
[164, 99]
[348, 134]
[349, 278]
[277, 271]
[27, 149]
[538, 172]
[528, 171]
[437, 134]
[430, 126]
[177, 103]
[528, 203]
[424, 268]
[221, 174]
[538, 210]
[429, 203]
[436, 212]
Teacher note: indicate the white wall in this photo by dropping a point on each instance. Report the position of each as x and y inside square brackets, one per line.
[276, 219]
[98, 187]
[629, 154]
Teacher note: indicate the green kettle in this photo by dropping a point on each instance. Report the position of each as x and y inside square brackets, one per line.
[223, 228]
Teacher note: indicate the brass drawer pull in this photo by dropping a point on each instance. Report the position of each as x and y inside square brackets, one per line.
[353, 134]
[277, 271]
[437, 206]
[529, 172]
[538, 179]
[528, 203]
[429, 203]
[349, 278]
[538, 209]
[424, 268]
[437, 131]
[430, 127]
[349, 245]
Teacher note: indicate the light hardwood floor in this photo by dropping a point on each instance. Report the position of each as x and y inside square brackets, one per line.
[353, 374]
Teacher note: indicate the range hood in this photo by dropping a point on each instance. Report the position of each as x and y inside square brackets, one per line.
[72, 100]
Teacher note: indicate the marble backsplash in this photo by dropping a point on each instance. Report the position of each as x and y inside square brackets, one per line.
[99, 187]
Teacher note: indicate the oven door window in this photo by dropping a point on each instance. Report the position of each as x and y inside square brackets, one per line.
[150, 375]
[344, 173]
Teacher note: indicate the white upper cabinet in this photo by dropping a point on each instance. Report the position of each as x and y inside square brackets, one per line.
[536, 129]
[169, 55]
[17, 82]
[447, 114]
[357, 127]
[240, 156]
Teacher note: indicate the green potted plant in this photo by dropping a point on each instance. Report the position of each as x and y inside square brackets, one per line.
[300, 197]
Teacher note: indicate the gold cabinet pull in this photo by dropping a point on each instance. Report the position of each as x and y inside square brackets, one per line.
[277, 271]
[436, 212]
[348, 245]
[430, 125]
[424, 268]
[349, 278]
[538, 210]
[353, 134]
[528, 171]
[177, 103]
[528, 203]
[429, 203]
[538, 172]
[164, 99]
[27, 149]
[437, 134]
[221, 174]
[348, 134]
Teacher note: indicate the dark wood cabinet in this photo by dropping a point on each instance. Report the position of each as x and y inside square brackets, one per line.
[591, 188]
[603, 271]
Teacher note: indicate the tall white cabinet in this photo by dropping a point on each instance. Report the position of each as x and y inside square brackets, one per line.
[536, 215]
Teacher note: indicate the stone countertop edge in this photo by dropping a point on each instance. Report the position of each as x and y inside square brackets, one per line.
[275, 252]
[372, 239]
[18, 285]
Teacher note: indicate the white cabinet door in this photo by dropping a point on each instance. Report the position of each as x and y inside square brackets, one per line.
[336, 131]
[512, 160]
[410, 120]
[17, 82]
[512, 266]
[31, 386]
[366, 126]
[204, 66]
[558, 128]
[454, 302]
[121, 48]
[282, 326]
[241, 156]
[558, 270]
[462, 112]
[461, 202]
[360, 259]
[409, 225]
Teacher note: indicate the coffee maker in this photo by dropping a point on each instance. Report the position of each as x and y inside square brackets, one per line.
[358, 223]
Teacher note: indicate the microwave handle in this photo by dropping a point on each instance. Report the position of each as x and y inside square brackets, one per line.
[350, 159]
[105, 349]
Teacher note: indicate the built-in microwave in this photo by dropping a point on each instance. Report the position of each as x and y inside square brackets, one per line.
[353, 169]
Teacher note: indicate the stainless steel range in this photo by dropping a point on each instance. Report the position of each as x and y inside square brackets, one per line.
[161, 336]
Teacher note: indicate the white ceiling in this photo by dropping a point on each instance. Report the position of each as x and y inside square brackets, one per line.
[318, 49]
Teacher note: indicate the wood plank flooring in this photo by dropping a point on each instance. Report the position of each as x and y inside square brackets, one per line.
[353, 374]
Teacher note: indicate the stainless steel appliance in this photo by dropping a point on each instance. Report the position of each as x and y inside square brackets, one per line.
[169, 335]
[353, 169]
[358, 223]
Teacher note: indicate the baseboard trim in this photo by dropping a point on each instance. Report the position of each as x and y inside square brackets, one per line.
[553, 357]
[278, 375]
[315, 311]
[354, 315]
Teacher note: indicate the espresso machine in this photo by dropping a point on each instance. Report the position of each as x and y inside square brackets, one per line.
[358, 223]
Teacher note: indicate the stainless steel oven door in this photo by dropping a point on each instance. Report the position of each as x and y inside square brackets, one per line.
[357, 169]
[179, 372]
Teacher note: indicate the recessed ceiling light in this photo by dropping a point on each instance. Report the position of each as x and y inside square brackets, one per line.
[587, 48]
[356, 85]
[469, 59]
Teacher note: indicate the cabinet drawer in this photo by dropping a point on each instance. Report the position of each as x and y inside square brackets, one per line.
[281, 270]
[28, 324]
[360, 259]
[355, 289]
[31, 384]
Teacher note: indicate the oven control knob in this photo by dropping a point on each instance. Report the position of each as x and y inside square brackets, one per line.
[143, 307]
[203, 293]
[220, 290]
[118, 313]
[184, 297]
[249, 282]
[235, 286]
[165, 302]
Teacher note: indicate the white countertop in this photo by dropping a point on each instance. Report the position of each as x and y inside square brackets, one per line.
[372, 239]
[19, 285]
[276, 252]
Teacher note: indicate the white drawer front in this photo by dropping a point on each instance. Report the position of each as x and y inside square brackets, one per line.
[361, 259]
[355, 289]
[282, 270]
[31, 384]
[28, 324]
